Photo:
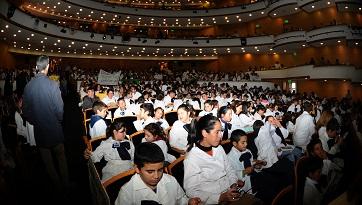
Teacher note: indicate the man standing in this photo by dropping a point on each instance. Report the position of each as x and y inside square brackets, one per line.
[43, 108]
[304, 127]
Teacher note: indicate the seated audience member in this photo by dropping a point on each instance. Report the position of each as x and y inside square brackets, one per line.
[241, 158]
[246, 118]
[144, 117]
[236, 111]
[179, 132]
[321, 124]
[208, 173]
[331, 140]
[259, 114]
[116, 150]
[110, 100]
[168, 100]
[98, 126]
[267, 150]
[208, 109]
[155, 134]
[150, 185]
[135, 94]
[89, 99]
[294, 107]
[225, 117]
[122, 110]
[304, 127]
[312, 192]
[23, 127]
[160, 118]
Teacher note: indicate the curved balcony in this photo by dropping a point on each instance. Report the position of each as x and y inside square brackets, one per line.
[25, 35]
[91, 11]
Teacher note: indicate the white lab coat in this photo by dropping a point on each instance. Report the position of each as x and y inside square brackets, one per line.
[140, 124]
[115, 164]
[277, 139]
[247, 120]
[122, 113]
[207, 176]
[267, 149]
[311, 194]
[323, 136]
[304, 129]
[238, 166]
[178, 136]
[135, 191]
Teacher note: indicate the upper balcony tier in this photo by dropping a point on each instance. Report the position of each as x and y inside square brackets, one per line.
[93, 11]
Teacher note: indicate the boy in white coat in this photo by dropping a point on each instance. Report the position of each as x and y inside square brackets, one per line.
[149, 184]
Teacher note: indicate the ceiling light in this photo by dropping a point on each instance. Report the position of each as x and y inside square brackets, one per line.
[346, 7]
[322, 43]
[328, 2]
[313, 7]
[338, 41]
[356, 43]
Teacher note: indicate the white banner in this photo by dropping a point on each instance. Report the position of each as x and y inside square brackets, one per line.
[105, 78]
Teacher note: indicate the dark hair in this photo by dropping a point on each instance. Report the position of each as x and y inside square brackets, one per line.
[155, 129]
[236, 134]
[332, 125]
[307, 106]
[244, 107]
[147, 152]
[109, 90]
[311, 144]
[260, 107]
[207, 123]
[312, 164]
[148, 107]
[160, 108]
[223, 110]
[121, 98]
[188, 108]
[267, 118]
[115, 126]
[98, 105]
[257, 125]
[41, 63]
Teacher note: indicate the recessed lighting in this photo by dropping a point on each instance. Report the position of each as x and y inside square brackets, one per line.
[7, 26]
[19, 31]
[346, 7]
[322, 43]
[295, 8]
[356, 43]
[2, 31]
[338, 41]
[328, 2]
[262, 12]
[250, 14]
[325, 80]
[274, 14]
[14, 35]
[312, 7]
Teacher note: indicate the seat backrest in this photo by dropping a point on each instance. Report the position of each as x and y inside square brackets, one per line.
[176, 169]
[299, 178]
[137, 137]
[171, 117]
[114, 184]
[284, 197]
[98, 192]
[88, 113]
[128, 121]
[96, 141]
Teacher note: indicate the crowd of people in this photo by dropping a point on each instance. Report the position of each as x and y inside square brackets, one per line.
[240, 143]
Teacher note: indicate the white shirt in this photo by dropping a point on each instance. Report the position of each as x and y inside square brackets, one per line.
[108, 100]
[99, 128]
[178, 135]
[159, 103]
[277, 139]
[257, 116]
[247, 120]
[292, 107]
[238, 166]
[311, 194]
[168, 192]
[203, 113]
[267, 149]
[115, 164]
[304, 129]
[208, 176]
[164, 123]
[122, 113]
[323, 136]
[140, 124]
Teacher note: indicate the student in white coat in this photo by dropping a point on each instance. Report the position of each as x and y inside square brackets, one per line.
[208, 109]
[160, 118]
[122, 110]
[150, 184]
[178, 133]
[116, 150]
[154, 133]
[241, 158]
[208, 173]
[304, 127]
[144, 117]
[312, 191]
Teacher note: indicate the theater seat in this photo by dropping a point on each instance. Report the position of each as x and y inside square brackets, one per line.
[176, 169]
[114, 184]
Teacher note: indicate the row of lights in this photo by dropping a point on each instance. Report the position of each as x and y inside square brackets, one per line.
[143, 49]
